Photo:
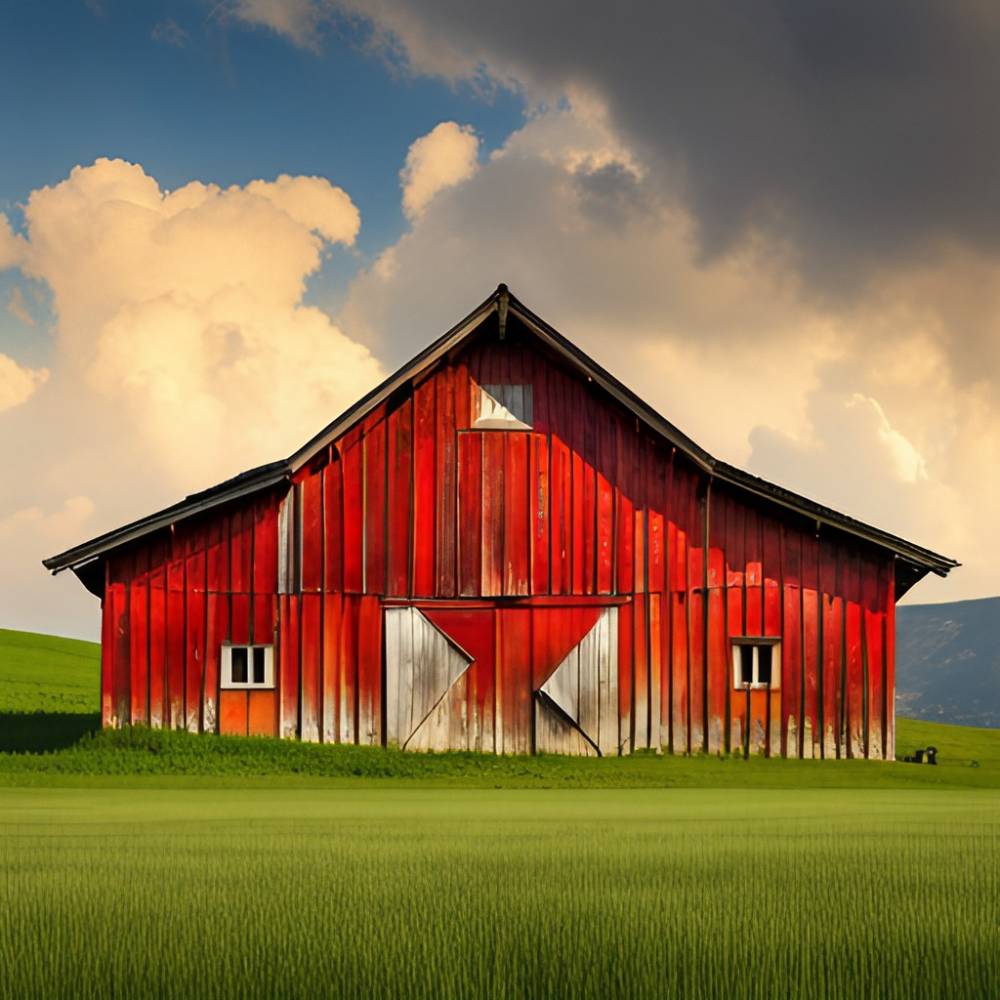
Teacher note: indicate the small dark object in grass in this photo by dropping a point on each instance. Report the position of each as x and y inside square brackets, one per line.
[917, 757]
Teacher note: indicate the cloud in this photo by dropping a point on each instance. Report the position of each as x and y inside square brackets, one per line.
[297, 20]
[183, 309]
[862, 404]
[444, 157]
[11, 245]
[18, 384]
[169, 32]
[183, 351]
[31, 599]
[17, 306]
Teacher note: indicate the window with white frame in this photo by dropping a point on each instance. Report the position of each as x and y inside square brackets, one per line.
[756, 663]
[247, 667]
[502, 407]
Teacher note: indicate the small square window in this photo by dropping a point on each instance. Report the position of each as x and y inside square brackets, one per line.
[506, 406]
[238, 662]
[756, 663]
[247, 667]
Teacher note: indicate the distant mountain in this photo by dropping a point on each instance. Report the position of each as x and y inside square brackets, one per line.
[948, 662]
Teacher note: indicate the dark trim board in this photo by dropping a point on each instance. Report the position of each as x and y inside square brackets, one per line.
[917, 560]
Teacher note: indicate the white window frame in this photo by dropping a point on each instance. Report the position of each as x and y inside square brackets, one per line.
[226, 667]
[756, 643]
[521, 404]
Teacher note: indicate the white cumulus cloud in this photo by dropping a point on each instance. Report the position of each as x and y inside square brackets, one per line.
[184, 309]
[444, 157]
[17, 383]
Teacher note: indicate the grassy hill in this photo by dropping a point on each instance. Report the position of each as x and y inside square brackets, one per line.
[49, 702]
[43, 673]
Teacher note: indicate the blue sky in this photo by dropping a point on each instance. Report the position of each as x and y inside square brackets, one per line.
[777, 222]
[229, 104]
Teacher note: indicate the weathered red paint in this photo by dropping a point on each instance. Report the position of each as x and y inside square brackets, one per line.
[511, 542]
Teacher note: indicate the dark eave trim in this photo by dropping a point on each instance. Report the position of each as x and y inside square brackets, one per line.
[233, 489]
[502, 301]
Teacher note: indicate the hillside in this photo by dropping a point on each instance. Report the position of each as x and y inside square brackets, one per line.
[948, 662]
[43, 673]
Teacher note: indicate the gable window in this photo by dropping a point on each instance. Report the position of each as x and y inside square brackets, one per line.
[756, 663]
[505, 406]
[247, 667]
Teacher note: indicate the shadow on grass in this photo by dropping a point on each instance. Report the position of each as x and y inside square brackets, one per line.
[36, 732]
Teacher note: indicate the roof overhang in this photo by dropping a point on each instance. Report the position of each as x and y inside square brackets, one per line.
[918, 560]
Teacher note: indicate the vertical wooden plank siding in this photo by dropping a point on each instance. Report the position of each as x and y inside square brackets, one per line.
[399, 486]
[310, 649]
[424, 512]
[514, 539]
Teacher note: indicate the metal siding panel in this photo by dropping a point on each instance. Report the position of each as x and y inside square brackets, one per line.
[833, 630]
[375, 507]
[175, 643]
[889, 583]
[656, 662]
[353, 551]
[288, 666]
[560, 491]
[194, 640]
[855, 679]
[399, 487]
[493, 513]
[874, 624]
[719, 669]
[370, 671]
[233, 706]
[240, 550]
[120, 641]
[789, 698]
[332, 609]
[217, 615]
[333, 524]
[470, 513]
[640, 669]
[309, 659]
[138, 613]
[516, 504]
[625, 668]
[515, 672]
[424, 505]
[696, 634]
[347, 679]
[311, 543]
[446, 493]
[265, 548]
[158, 708]
[539, 499]
[578, 534]
[262, 713]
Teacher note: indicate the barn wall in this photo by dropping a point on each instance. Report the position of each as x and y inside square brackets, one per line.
[529, 530]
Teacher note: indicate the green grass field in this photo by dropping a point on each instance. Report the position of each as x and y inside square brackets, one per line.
[138, 863]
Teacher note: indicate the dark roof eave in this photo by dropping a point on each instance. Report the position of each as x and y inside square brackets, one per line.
[239, 486]
[261, 478]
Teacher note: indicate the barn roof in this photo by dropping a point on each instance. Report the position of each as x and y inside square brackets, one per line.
[918, 560]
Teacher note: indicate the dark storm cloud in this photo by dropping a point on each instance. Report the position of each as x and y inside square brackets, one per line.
[859, 131]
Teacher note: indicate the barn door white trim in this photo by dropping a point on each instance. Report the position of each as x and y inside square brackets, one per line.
[421, 666]
[583, 689]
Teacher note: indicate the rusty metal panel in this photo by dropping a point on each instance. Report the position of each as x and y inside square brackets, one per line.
[288, 666]
[138, 621]
[424, 501]
[493, 513]
[538, 484]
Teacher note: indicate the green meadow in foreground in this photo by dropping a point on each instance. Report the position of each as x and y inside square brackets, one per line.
[143, 863]
[466, 893]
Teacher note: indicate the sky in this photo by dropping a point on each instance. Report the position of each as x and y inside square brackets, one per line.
[223, 222]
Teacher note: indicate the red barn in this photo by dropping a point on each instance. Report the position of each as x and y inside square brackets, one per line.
[502, 548]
